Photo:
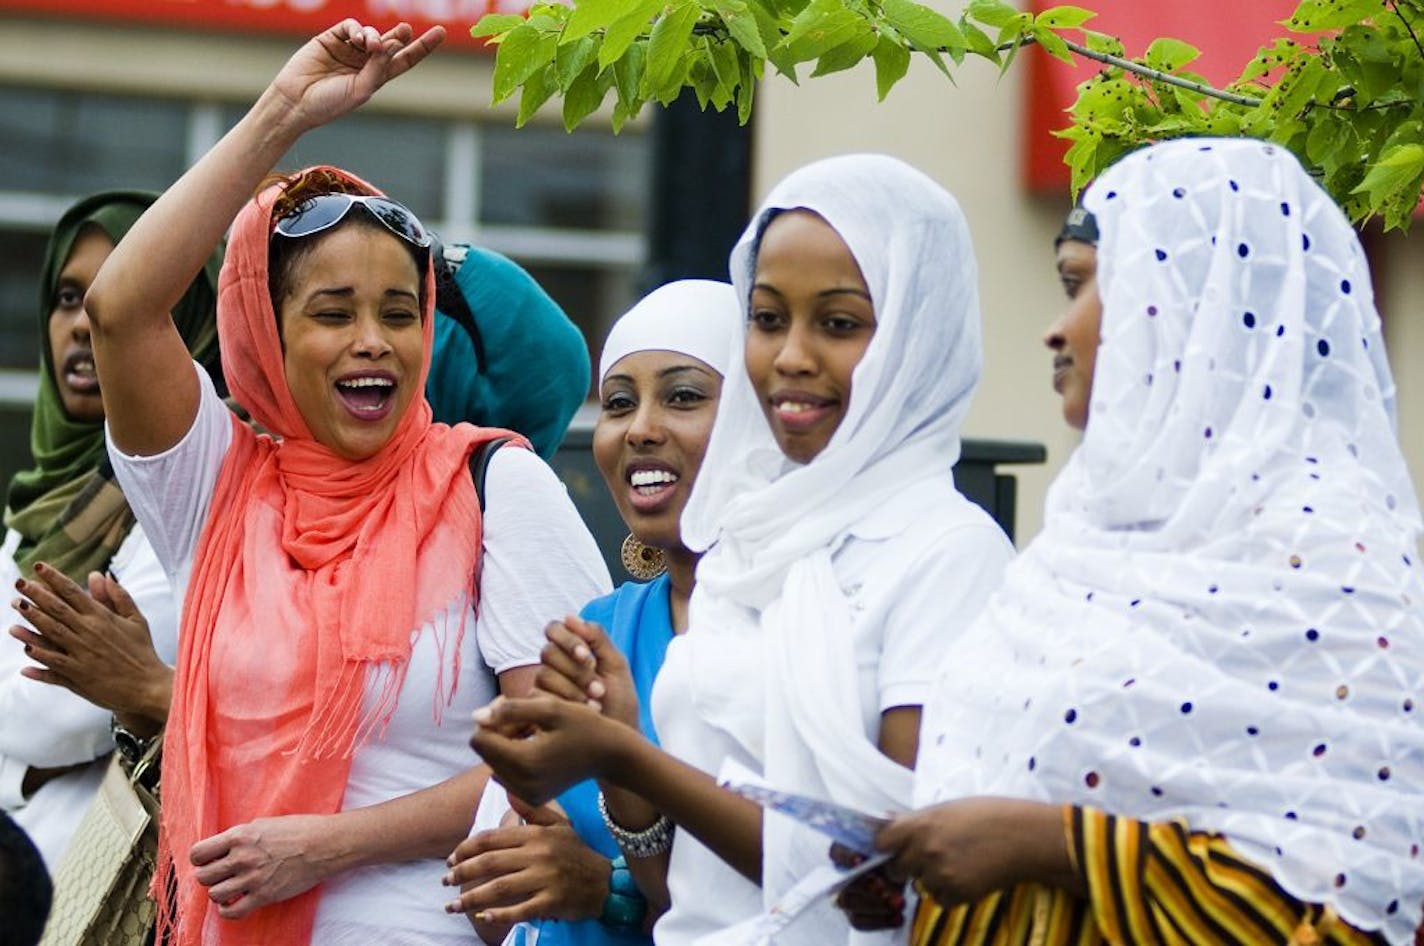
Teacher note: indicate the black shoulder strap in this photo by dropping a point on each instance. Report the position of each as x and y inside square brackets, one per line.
[479, 465]
[449, 298]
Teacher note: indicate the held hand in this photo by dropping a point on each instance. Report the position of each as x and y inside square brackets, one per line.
[872, 901]
[340, 69]
[96, 644]
[263, 862]
[962, 850]
[538, 870]
[540, 745]
[580, 663]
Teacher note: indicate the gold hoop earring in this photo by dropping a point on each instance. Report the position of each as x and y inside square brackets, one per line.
[643, 562]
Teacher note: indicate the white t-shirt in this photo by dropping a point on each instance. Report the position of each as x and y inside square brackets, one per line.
[912, 589]
[45, 726]
[539, 562]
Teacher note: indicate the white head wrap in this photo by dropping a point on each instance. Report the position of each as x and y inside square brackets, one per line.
[1221, 620]
[767, 605]
[693, 317]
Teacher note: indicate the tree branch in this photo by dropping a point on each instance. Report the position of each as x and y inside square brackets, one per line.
[1157, 75]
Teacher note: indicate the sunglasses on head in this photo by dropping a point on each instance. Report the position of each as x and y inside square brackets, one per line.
[315, 214]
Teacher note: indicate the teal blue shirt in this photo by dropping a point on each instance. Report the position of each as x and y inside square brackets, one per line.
[638, 618]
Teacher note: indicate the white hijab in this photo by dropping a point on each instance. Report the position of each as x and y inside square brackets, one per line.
[770, 628]
[693, 317]
[1221, 620]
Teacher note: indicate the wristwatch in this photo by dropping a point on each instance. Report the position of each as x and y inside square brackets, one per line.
[131, 747]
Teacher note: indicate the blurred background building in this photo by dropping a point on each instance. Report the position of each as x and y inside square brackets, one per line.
[127, 93]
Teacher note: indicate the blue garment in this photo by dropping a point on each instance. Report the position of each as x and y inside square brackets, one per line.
[535, 371]
[638, 618]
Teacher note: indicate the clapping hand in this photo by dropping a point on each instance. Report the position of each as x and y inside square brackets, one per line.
[95, 643]
[580, 664]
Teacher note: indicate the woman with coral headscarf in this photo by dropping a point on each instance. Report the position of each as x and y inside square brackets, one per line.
[330, 643]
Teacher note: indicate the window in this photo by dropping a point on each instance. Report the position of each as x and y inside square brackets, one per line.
[569, 207]
[73, 143]
[540, 176]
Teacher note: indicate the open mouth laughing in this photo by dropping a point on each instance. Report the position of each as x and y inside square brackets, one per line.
[367, 395]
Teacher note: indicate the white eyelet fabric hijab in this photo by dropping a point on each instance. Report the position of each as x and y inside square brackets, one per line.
[770, 628]
[1221, 620]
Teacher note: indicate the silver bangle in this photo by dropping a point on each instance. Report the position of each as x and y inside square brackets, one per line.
[650, 842]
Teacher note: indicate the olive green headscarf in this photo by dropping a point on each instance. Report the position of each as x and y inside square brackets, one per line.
[68, 510]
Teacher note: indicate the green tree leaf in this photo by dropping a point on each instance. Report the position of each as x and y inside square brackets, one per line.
[768, 25]
[822, 26]
[742, 26]
[537, 90]
[1270, 58]
[1012, 37]
[1371, 63]
[668, 48]
[925, 29]
[493, 24]
[571, 59]
[628, 77]
[1052, 44]
[746, 89]
[619, 37]
[979, 42]
[585, 95]
[892, 61]
[523, 52]
[590, 15]
[1103, 43]
[1063, 18]
[1396, 169]
[723, 56]
[992, 12]
[700, 76]
[1313, 16]
[846, 54]
[1169, 55]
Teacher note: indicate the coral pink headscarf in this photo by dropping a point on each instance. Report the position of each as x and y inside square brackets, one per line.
[313, 572]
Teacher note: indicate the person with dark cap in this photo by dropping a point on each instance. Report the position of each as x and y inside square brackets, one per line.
[1073, 336]
[25, 889]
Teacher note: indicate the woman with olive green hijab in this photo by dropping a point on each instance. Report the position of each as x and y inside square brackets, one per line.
[69, 513]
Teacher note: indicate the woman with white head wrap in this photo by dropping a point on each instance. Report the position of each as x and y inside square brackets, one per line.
[1211, 657]
[842, 559]
[659, 379]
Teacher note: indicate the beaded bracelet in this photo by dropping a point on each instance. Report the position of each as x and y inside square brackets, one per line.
[625, 907]
[650, 842]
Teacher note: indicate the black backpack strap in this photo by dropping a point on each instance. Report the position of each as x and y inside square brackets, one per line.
[479, 465]
[449, 298]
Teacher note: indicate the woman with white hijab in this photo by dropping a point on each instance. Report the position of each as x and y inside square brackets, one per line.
[842, 559]
[1193, 711]
[659, 381]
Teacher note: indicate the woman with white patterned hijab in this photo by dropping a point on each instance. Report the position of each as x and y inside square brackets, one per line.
[1209, 668]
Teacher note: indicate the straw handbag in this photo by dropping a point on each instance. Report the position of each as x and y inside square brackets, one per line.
[101, 885]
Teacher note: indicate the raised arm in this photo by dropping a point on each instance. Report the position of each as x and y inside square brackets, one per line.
[150, 392]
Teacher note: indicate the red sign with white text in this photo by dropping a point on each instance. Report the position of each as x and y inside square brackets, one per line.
[290, 17]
